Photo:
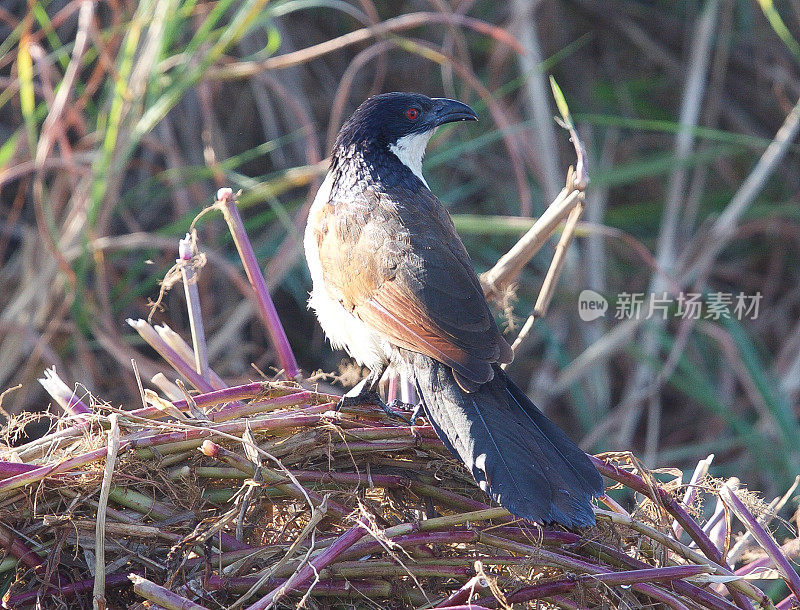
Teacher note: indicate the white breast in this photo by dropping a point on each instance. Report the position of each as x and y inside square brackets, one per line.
[343, 329]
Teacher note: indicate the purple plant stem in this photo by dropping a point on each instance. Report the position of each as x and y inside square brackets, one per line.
[118, 579]
[160, 595]
[292, 420]
[565, 586]
[208, 399]
[237, 427]
[16, 547]
[357, 569]
[305, 574]
[230, 543]
[408, 541]
[749, 568]
[548, 538]
[186, 353]
[545, 537]
[452, 498]
[33, 476]
[699, 594]
[10, 469]
[787, 603]
[573, 564]
[75, 406]
[612, 579]
[186, 253]
[463, 593]
[259, 285]
[688, 524]
[172, 357]
[234, 410]
[335, 586]
[465, 607]
[62, 394]
[764, 538]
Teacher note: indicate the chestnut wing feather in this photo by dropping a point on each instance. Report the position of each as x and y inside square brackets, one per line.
[395, 261]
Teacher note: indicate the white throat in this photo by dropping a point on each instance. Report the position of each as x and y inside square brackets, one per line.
[410, 150]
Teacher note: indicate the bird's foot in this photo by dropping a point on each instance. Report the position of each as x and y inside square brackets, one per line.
[391, 412]
[371, 397]
[417, 409]
[403, 406]
[365, 397]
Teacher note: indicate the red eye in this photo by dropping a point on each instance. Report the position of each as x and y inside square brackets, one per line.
[412, 114]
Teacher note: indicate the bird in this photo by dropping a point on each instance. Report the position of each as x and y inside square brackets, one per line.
[394, 286]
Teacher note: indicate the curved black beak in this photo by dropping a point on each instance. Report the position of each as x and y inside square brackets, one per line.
[449, 111]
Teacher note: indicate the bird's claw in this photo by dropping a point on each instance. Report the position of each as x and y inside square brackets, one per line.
[367, 397]
[371, 397]
[404, 406]
[390, 410]
[415, 413]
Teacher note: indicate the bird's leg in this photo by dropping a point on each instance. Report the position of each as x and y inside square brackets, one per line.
[407, 394]
[415, 413]
[368, 394]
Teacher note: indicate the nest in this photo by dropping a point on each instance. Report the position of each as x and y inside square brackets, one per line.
[263, 496]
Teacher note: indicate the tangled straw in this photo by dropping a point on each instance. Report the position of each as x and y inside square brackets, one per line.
[262, 495]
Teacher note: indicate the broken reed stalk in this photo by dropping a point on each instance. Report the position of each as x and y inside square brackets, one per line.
[98, 595]
[161, 595]
[763, 537]
[66, 398]
[187, 256]
[764, 520]
[575, 188]
[554, 271]
[567, 205]
[171, 356]
[510, 264]
[661, 497]
[311, 571]
[631, 577]
[227, 204]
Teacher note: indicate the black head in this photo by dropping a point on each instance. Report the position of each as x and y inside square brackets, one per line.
[383, 119]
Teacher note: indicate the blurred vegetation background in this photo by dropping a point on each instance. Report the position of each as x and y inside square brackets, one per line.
[119, 121]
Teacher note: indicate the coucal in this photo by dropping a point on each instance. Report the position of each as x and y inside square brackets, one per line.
[394, 286]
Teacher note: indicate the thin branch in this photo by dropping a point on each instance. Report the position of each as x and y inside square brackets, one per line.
[98, 595]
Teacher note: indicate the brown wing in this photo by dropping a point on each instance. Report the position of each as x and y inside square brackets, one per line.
[394, 259]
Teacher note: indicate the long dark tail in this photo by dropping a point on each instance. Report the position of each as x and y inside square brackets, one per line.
[517, 455]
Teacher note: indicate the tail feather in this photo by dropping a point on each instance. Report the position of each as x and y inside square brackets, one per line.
[517, 455]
